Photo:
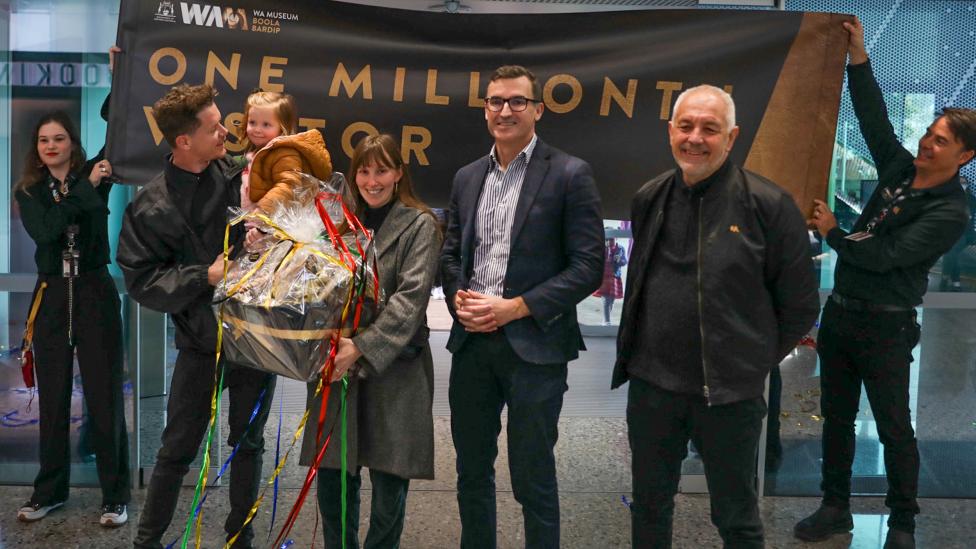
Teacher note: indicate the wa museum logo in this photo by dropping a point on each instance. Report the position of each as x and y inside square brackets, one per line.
[165, 12]
[203, 15]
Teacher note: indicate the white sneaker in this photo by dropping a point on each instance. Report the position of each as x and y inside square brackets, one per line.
[32, 512]
[113, 515]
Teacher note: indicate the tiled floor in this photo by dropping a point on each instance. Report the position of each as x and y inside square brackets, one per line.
[590, 519]
[593, 464]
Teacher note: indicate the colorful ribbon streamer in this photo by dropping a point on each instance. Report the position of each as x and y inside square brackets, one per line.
[353, 306]
[223, 468]
[274, 501]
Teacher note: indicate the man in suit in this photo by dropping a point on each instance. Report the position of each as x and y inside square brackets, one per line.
[524, 245]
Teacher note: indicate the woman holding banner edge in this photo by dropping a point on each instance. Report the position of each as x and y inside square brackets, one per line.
[389, 364]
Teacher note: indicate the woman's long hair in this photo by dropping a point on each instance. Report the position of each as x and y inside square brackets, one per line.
[382, 150]
[34, 169]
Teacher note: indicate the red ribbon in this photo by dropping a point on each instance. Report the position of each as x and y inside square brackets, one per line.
[329, 367]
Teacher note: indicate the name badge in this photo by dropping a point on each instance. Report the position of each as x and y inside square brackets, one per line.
[859, 236]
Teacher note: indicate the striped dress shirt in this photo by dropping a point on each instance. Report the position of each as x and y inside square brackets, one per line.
[495, 216]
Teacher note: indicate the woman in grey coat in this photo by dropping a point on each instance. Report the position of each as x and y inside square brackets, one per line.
[390, 428]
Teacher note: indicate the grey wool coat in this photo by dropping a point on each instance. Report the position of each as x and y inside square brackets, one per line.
[390, 426]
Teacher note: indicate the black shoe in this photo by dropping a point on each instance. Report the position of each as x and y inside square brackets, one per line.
[823, 523]
[113, 515]
[899, 539]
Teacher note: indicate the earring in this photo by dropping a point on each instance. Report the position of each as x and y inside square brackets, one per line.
[396, 188]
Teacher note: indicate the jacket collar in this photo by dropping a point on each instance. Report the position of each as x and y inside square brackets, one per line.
[400, 217]
[950, 186]
[535, 174]
[703, 186]
[223, 171]
[526, 153]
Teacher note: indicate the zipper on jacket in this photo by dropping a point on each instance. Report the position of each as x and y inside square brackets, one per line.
[701, 303]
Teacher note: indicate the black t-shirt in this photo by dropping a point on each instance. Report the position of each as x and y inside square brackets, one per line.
[672, 349]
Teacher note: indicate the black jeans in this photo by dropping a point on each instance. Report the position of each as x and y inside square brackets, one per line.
[659, 425]
[873, 348]
[487, 374]
[774, 446]
[188, 413]
[388, 507]
[98, 344]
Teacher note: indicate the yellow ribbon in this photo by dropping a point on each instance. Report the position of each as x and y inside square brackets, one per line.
[35, 306]
[240, 325]
[282, 235]
[298, 433]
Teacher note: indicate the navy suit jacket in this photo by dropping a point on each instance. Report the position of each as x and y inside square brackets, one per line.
[556, 254]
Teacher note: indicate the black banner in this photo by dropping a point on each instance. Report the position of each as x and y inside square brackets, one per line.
[609, 82]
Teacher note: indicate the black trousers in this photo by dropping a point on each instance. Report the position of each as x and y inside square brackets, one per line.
[98, 345]
[487, 374]
[388, 508]
[774, 446]
[873, 349]
[659, 425]
[187, 414]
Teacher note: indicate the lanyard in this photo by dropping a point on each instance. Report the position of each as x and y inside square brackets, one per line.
[892, 199]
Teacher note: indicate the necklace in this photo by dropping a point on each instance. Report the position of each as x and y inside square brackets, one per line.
[59, 189]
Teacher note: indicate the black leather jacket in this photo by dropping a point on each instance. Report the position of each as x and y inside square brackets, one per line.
[165, 262]
[757, 290]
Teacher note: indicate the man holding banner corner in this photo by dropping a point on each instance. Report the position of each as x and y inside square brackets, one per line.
[869, 328]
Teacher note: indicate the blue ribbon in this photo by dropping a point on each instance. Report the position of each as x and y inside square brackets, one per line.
[10, 419]
[223, 469]
[274, 501]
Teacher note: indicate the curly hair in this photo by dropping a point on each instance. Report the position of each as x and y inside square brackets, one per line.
[176, 112]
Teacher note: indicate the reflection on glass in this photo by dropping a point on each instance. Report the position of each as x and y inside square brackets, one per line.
[19, 409]
[603, 307]
[941, 399]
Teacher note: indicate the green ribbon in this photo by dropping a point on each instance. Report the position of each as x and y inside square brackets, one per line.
[205, 465]
[343, 440]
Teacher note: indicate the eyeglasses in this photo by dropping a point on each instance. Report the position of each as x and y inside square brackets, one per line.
[517, 103]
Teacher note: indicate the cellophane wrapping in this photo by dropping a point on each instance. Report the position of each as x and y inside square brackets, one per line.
[281, 303]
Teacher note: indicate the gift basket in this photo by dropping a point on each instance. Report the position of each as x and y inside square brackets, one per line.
[310, 278]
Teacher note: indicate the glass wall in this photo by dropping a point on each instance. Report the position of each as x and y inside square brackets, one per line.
[53, 58]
